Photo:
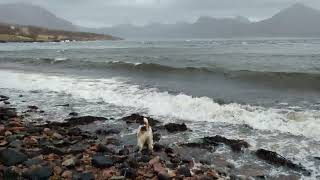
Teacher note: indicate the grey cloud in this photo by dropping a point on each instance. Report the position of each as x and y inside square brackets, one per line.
[111, 12]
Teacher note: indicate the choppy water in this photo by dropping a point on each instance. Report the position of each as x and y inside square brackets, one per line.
[216, 86]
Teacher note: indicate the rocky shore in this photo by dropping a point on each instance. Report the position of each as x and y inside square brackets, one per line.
[68, 150]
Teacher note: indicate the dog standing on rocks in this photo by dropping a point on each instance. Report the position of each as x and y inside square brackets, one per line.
[145, 136]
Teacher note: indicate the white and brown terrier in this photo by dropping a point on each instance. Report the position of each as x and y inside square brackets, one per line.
[145, 136]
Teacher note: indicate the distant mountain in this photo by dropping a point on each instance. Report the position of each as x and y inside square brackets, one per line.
[26, 14]
[296, 21]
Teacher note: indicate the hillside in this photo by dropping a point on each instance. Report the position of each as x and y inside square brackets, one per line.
[26, 14]
[18, 33]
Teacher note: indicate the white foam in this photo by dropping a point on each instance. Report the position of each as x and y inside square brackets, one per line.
[157, 103]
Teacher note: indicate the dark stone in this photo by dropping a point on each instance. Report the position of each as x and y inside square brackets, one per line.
[158, 147]
[184, 171]
[40, 173]
[84, 120]
[6, 113]
[132, 162]
[317, 158]
[136, 118]
[63, 105]
[124, 151]
[9, 174]
[129, 173]
[172, 127]
[156, 137]
[51, 149]
[85, 176]
[6, 102]
[11, 157]
[276, 159]
[77, 149]
[4, 98]
[163, 176]
[106, 132]
[33, 161]
[33, 129]
[105, 149]
[74, 132]
[73, 114]
[33, 107]
[235, 144]
[16, 144]
[101, 161]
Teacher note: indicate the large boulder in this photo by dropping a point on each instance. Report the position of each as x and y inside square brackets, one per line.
[11, 157]
[6, 113]
[136, 118]
[101, 161]
[39, 173]
[235, 144]
[276, 159]
[172, 127]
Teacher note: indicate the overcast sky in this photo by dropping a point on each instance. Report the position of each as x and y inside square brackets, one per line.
[98, 13]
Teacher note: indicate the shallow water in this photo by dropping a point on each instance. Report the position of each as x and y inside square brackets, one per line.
[263, 91]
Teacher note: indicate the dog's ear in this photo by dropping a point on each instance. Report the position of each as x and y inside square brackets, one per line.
[146, 122]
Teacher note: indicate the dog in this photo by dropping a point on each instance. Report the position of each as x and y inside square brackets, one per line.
[145, 136]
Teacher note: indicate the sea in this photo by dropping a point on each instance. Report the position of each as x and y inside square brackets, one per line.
[263, 90]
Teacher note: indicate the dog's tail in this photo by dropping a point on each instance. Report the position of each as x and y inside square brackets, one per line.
[146, 122]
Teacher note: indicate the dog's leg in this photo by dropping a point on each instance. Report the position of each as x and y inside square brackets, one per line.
[150, 144]
[140, 145]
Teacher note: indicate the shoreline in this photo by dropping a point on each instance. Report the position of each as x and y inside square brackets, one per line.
[67, 149]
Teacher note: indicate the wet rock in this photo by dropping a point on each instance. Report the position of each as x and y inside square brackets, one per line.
[276, 159]
[184, 171]
[84, 120]
[11, 157]
[33, 161]
[10, 173]
[30, 141]
[129, 173]
[51, 149]
[106, 132]
[124, 151]
[85, 176]
[63, 105]
[4, 98]
[39, 173]
[3, 143]
[57, 136]
[6, 102]
[154, 160]
[172, 127]
[34, 108]
[136, 118]
[16, 144]
[317, 158]
[73, 114]
[101, 161]
[156, 137]
[6, 113]
[158, 147]
[235, 144]
[117, 178]
[69, 162]
[163, 176]
[77, 149]
[67, 175]
[105, 149]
